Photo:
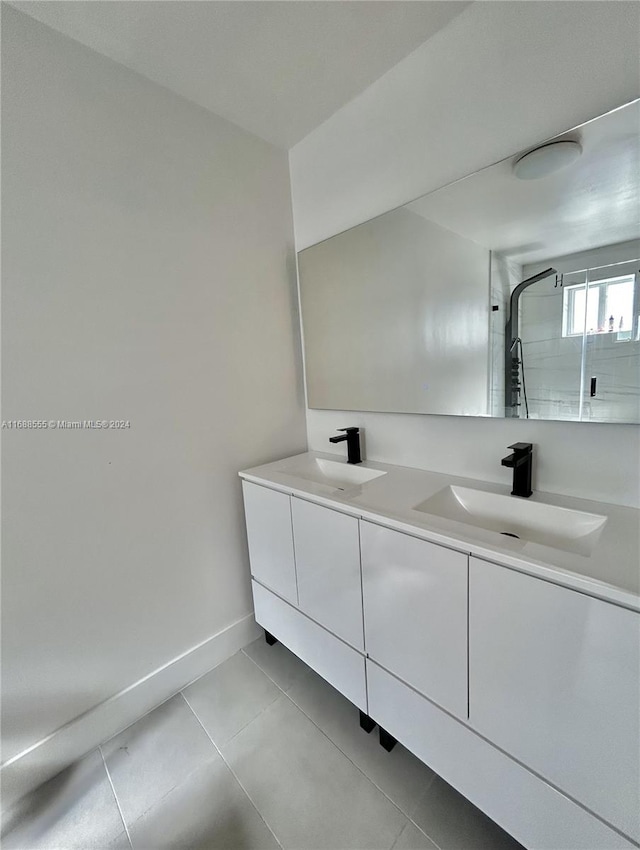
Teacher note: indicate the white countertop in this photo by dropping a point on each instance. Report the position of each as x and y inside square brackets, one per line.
[611, 572]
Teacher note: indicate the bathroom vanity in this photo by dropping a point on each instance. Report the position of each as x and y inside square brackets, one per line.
[511, 667]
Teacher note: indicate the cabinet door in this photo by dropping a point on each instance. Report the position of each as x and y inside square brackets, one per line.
[415, 613]
[554, 680]
[268, 516]
[336, 662]
[327, 551]
[526, 806]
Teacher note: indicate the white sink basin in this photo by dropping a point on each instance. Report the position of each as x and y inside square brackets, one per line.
[561, 528]
[332, 472]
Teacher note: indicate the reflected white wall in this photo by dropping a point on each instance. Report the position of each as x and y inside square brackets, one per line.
[395, 318]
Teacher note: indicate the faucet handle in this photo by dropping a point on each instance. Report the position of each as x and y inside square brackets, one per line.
[522, 448]
[349, 430]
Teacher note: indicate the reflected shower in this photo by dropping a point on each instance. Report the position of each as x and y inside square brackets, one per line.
[512, 342]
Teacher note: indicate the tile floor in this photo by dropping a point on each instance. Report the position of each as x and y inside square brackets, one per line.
[258, 753]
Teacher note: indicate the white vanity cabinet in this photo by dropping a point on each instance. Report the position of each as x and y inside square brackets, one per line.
[336, 662]
[327, 555]
[516, 681]
[309, 595]
[270, 538]
[554, 680]
[415, 604]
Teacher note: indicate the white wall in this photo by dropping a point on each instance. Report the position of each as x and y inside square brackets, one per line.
[499, 77]
[148, 276]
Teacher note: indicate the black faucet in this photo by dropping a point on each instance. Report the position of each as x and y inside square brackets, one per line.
[352, 436]
[521, 462]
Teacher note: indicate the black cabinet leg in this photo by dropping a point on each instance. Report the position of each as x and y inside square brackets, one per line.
[270, 639]
[386, 740]
[366, 722]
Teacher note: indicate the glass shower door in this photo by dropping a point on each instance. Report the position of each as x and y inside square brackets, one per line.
[610, 378]
[551, 357]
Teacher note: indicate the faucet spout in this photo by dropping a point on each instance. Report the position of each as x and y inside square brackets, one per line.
[352, 436]
[513, 461]
[521, 461]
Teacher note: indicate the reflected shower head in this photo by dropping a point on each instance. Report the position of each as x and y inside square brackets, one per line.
[534, 279]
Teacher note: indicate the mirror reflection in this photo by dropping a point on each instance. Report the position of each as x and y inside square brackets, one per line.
[513, 292]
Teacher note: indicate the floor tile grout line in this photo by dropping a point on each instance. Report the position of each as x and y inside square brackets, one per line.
[426, 789]
[249, 722]
[411, 823]
[346, 755]
[259, 714]
[357, 766]
[262, 670]
[420, 829]
[402, 831]
[115, 796]
[410, 817]
[331, 741]
[232, 771]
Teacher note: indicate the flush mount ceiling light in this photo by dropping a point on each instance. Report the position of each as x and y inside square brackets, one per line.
[546, 159]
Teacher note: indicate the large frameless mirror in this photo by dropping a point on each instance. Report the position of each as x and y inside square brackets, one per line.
[513, 292]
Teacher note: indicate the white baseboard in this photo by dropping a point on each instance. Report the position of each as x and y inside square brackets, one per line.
[52, 754]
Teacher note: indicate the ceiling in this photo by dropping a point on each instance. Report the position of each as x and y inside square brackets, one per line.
[592, 203]
[278, 68]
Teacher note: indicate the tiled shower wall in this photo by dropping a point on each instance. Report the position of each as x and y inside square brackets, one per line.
[553, 363]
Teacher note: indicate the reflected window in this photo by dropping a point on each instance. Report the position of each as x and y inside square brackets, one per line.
[604, 306]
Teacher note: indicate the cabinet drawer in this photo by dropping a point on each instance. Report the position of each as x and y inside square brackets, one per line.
[340, 665]
[527, 807]
[270, 538]
[415, 613]
[327, 553]
[555, 681]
